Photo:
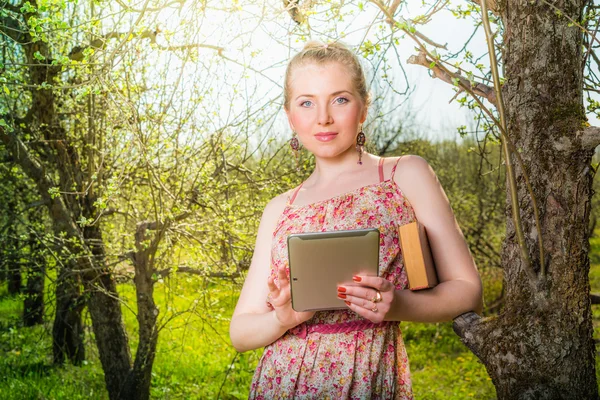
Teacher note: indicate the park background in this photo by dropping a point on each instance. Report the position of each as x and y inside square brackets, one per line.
[174, 109]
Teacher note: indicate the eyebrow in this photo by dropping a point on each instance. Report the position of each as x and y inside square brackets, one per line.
[332, 94]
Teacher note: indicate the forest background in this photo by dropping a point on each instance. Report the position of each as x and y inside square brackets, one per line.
[157, 128]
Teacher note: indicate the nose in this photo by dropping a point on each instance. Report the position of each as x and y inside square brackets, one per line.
[324, 116]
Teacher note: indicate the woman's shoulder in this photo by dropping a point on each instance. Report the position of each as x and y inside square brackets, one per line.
[273, 211]
[277, 204]
[405, 166]
[415, 177]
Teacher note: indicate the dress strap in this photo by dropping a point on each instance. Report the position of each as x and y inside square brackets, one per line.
[395, 165]
[381, 169]
[295, 193]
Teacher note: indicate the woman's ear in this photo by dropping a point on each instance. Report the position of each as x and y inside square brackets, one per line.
[287, 113]
[364, 115]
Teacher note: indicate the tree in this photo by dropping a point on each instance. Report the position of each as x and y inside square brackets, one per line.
[540, 345]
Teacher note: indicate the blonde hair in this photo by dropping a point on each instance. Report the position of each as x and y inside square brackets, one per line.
[321, 54]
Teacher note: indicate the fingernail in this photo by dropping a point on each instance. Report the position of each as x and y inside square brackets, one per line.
[356, 278]
[341, 295]
[341, 289]
[347, 303]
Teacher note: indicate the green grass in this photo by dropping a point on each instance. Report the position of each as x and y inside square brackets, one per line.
[441, 366]
[195, 359]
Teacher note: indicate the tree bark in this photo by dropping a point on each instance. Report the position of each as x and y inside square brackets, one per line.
[12, 258]
[33, 308]
[540, 346]
[137, 386]
[67, 331]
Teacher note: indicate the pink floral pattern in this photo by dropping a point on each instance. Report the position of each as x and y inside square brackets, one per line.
[367, 364]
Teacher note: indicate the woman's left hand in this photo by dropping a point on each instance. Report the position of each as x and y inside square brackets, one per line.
[371, 297]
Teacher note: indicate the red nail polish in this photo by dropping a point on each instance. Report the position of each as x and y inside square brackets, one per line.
[347, 303]
[356, 278]
[341, 295]
[341, 289]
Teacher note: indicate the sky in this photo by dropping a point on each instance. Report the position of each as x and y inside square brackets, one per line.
[265, 45]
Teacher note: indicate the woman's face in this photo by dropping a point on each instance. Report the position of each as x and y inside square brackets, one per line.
[325, 110]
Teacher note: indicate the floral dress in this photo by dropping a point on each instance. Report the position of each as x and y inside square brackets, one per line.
[361, 364]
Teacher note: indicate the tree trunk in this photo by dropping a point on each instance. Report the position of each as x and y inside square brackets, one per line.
[105, 310]
[12, 252]
[67, 331]
[111, 337]
[540, 346]
[33, 308]
[14, 278]
[137, 386]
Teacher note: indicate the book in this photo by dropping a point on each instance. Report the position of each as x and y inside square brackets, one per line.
[418, 260]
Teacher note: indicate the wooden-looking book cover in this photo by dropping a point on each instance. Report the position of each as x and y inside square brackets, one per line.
[418, 260]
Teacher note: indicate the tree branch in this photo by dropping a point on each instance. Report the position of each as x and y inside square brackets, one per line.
[100, 43]
[137, 10]
[10, 7]
[491, 6]
[479, 89]
[12, 29]
[35, 170]
[402, 21]
[292, 8]
[466, 326]
[590, 137]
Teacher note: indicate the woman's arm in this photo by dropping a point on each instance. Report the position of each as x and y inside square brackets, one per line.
[254, 324]
[459, 289]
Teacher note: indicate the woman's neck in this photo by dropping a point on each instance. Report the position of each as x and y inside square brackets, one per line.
[329, 171]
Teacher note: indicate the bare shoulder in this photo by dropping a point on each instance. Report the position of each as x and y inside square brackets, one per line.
[410, 169]
[419, 183]
[275, 207]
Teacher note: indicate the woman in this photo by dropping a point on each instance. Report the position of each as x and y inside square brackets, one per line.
[326, 102]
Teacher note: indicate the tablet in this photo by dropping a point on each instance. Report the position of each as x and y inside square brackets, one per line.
[321, 261]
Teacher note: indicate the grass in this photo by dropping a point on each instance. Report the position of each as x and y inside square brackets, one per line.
[196, 361]
[441, 366]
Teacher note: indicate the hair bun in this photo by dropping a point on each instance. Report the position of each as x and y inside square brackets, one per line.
[313, 44]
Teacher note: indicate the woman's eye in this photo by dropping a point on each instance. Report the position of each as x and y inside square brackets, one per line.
[304, 102]
[345, 100]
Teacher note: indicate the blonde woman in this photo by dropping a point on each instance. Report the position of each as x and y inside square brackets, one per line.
[356, 352]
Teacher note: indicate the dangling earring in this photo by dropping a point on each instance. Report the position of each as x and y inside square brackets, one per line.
[360, 142]
[295, 145]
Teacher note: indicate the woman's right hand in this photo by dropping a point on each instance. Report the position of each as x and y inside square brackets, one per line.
[281, 301]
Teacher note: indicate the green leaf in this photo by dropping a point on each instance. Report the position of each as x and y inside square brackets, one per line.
[38, 56]
[5, 125]
[53, 192]
[28, 8]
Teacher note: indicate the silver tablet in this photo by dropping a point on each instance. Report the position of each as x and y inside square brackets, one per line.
[321, 261]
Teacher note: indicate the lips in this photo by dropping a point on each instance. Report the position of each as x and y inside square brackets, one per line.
[325, 136]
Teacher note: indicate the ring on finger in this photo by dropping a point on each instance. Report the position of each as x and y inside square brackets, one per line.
[374, 309]
[377, 297]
